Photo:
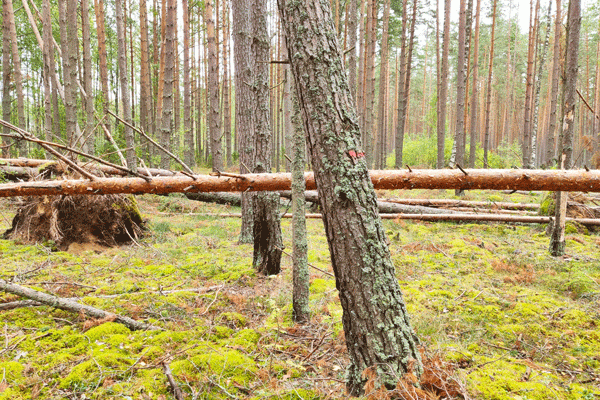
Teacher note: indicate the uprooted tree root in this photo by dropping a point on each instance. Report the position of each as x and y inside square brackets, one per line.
[436, 382]
[105, 220]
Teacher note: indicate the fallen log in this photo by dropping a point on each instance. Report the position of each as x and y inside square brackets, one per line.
[105, 169]
[232, 199]
[69, 305]
[520, 219]
[17, 173]
[466, 203]
[384, 206]
[557, 180]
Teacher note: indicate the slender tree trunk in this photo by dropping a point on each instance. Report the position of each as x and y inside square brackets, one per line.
[125, 101]
[360, 256]
[596, 120]
[168, 59]
[401, 95]
[242, 39]
[48, 53]
[145, 80]
[372, 9]
[474, 103]
[538, 86]
[383, 89]
[214, 124]
[17, 75]
[461, 81]
[352, 20]
[488, 102]
[226, 86]
[557, 239]
[267, 231]
[90, 114]
[188, 136]
[550, 136]
[526, 148]
[6, 78]
[443, 92]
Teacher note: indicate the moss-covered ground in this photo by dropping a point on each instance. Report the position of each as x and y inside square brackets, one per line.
[515, 322]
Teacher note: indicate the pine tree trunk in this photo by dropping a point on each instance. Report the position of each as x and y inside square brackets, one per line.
[6, 78]
[526, 148]
[226, 86]
[401, 95]
[352, 20]
[17, 75]
[48, 54]
[443, 91]
[267, 231]
[125, 101]
[361, 73]
[488, 101]
[168, 70]
[372, 9]
[376, 326]
[90, 114]
[242, 40]
[383, 89]
[461, 80]
[538, 86]
[557, 239]
[474, 104]
[145, 82]
[550, 136]
[188, 135]
[214, 124]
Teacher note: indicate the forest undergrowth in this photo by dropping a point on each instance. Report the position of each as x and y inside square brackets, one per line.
[486, 300]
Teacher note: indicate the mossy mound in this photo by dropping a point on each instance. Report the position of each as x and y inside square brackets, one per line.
[105, 220]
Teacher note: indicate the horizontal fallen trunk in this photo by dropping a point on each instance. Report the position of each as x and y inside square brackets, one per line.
[521, 219]
[557, 180]
[33, 164]
[384, 206]
[69, 305]
[466, 203]
[227, 198]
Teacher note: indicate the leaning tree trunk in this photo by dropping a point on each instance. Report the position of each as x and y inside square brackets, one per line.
[376, 325]
[557, 239]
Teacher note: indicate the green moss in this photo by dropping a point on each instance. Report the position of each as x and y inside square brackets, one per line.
[106, 330]
[12, 372]
[233, 319]
[222, 363]
[89, 373]
[318, 285]
[221, 332]
[247, 338]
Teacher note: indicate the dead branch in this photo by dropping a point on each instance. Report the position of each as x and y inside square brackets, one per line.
[69, 305]
[174, 386]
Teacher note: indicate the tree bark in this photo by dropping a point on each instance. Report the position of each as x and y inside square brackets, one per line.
[167, 58]
[352, 20]
[48, 57]
[87, 140]
[530, 77]
[474, 103]
[550, 138]
[242, 38]
[461, 80]
[267, 230]
[371, 30]
[125, 101]
[6, 78]
[16, 70]
[145, 81]
[102, 57]
[383, 89]
[376, 326]
[496, 179]
[557, 239]
[443, 91]
[488, 101]
[188, 135]
[401, 95]
[533, 162]
[226, 86]
[214, 124]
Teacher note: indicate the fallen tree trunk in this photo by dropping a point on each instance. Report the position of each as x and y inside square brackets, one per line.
[105, 169]
[17, 173]
[466, 203]
[384, 206]
[442, 217]
[557, 180]
[232, 199]
[69, 305]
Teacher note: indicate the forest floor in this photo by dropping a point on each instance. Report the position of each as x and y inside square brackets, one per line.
[487, 299]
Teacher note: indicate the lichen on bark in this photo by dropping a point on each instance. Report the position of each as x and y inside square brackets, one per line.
[376, 325]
